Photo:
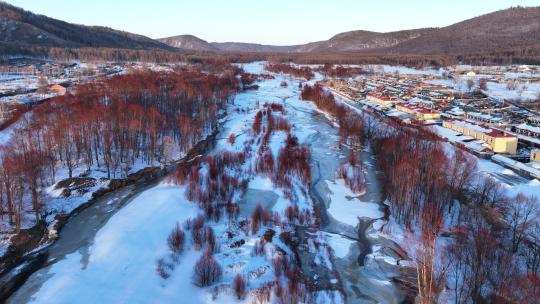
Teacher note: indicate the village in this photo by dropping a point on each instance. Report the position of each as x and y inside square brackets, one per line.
[480, 111]
[25, 83]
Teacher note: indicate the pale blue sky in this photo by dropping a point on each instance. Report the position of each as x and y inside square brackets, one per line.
[278, 22]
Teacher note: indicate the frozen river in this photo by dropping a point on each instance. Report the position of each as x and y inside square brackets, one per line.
[106, 253]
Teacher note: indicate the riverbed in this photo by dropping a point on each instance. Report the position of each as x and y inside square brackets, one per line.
[79, 263]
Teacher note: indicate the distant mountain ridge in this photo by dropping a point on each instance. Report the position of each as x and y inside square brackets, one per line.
[251, 47]
[362, 40]
[190, 42]
[512, 28]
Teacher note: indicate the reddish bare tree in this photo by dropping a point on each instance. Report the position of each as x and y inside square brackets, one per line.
[521, 213]
[239, 286]
[206, 271]
[176, 240]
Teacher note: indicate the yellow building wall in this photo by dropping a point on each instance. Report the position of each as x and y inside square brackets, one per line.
[429, 116]
[379, 101]
[404, 109]
[497, 144]
[535, 156]
[504, 144]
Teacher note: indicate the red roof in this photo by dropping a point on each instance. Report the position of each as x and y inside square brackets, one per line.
[497, 133]
[380, 96]
[425, 111]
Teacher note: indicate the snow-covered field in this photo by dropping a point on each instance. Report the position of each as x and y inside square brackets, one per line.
[523, 91]
[119, 266]
[402, 70]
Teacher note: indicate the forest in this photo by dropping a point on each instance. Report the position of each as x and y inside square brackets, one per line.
[115, 125]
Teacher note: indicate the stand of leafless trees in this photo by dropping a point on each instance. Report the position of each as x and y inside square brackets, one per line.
[109, 124]
[492, 248]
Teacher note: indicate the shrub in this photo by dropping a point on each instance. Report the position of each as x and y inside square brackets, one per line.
[258, 248]
[232, 138]
[163, 268]
[279, 265]
[239, 286]
[207, 270]
[257, 122]
[176, 240]
[210, 237]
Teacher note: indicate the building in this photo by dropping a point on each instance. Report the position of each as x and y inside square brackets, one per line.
[382, 100]
[58, 89]
[497, 141]
[427, 114]
[417, 111]
[528, 130]
[484, 118]
[535, 155]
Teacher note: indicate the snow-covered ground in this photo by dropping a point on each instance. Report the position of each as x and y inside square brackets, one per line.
[402, 70]
[347, 206]
[523, 91]
[512, 182]
[120, 264]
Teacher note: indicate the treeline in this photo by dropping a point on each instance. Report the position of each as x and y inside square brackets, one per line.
[518, 56]
[351, 126]
[304, 72]
[363, 58]
[112, 125]
[339, 71]
[8, 50]
[492, 254]
[491, 251]
[495, 57]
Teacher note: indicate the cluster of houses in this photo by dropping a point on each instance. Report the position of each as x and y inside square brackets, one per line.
[418, 111]
[11, 103]
[484, 125]
[26, 82]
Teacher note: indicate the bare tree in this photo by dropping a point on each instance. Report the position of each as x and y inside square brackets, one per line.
[532, 249]
[176, 240]
[207, 270]
[239, 286]
[522, 211]
[482, 84]
[428, 277]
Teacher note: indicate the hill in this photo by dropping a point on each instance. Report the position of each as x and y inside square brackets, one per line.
[506, 30]
[362, 40]
[251, 47]
[514, 28]
[25, 29]
[506, 36]
[188, 42]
